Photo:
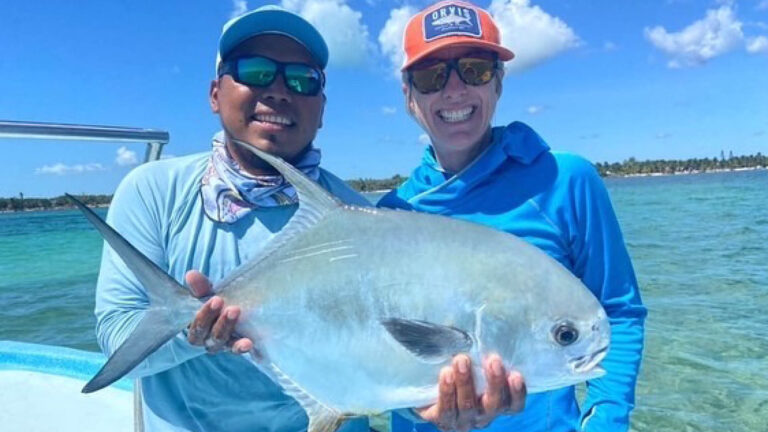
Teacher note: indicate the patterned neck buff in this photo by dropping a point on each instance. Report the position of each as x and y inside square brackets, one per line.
[228, 192]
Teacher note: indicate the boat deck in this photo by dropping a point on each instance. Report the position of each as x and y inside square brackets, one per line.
[40, 391]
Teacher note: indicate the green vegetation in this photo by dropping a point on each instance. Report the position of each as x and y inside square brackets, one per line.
[373, 185]
[634, 167]
[21, 203]
[626, 168]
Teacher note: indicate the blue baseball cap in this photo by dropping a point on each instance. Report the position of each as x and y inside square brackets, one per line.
[272, 20]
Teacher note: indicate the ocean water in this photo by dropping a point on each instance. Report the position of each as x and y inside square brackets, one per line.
[700, 248]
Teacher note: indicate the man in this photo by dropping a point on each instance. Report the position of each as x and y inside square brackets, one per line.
[211, 212]
[507, 178]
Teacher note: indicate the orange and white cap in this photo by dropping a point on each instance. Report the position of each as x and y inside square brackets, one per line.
[451, 23]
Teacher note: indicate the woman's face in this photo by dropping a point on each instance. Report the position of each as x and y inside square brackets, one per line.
[458, 116]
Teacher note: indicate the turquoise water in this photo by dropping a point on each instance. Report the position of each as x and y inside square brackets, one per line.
[49, 262]
[700, 248]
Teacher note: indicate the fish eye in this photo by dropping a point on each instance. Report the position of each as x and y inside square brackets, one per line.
[565, 334]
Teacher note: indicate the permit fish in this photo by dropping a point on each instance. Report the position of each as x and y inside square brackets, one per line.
[355, 310]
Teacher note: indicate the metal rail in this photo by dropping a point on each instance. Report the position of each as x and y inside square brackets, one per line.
[155, 139]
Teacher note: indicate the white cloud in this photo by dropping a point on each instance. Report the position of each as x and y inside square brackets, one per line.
[663, 135]
[391, 36]
[609, 46]
[532, 34]
[763, 5]
[126, 157]
[341, 26]
[239, 7]
[61, 169]
[758, 45]
[535, 109]
[388, 110]
[716, 34]
[424, 139]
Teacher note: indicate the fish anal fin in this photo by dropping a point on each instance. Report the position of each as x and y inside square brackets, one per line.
[321, 417]
[431, 342]
[325, 421]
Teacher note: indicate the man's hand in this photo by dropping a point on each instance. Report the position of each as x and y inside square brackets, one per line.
[214, 324]
[459, 409]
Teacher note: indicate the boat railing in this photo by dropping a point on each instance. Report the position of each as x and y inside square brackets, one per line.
[155, 139]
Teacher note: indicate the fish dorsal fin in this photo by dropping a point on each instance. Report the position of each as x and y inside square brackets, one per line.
[433, 343]
[314, 201]
[321, 417]
[314, 204]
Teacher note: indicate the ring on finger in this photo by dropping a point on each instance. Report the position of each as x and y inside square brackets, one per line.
[196, 332]
[213, 342]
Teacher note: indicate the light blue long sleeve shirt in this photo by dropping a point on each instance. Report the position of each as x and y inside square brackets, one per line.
[557, 202]
[157, 207]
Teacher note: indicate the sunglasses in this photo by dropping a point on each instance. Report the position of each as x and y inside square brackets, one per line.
[474, 69]
[258, 71]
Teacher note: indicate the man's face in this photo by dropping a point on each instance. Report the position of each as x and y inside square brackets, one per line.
[272, 118]
[456, 117]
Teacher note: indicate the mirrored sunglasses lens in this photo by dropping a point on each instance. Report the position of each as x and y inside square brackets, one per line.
[303, 79]
[256, 71]
[476, 71]
[430, 79]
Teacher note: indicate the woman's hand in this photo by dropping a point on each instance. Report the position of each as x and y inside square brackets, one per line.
[458, 407]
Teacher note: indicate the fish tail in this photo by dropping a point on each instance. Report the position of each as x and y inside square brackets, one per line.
[171, 305]
[155, 329]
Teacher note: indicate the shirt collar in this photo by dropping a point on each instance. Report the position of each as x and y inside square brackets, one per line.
[516, 141]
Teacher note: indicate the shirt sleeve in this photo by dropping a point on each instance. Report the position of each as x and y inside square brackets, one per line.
[601, 260]
[120, 298]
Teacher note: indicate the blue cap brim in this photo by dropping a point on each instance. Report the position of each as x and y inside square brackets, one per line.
[273, 20]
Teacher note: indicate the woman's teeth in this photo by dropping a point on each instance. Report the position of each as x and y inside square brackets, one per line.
[458, 115]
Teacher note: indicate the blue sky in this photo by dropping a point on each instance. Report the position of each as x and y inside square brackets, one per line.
[609, 79]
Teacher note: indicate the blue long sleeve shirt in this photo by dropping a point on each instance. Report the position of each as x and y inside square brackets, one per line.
[157, 207]
[557, 202]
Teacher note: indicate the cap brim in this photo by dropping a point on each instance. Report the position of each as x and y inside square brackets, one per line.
[504, 54]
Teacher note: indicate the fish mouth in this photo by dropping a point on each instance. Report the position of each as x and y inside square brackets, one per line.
[589, 362]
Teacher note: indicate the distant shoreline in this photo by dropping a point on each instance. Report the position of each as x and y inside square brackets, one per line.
[677, 173]
[56, 208]
[382, 191]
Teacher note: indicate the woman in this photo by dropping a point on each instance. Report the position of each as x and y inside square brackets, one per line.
[508, 178]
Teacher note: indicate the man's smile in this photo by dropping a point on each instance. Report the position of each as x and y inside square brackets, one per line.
[273, 119]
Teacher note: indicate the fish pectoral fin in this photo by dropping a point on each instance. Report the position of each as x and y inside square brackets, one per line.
[321, 417]
[429, 341]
